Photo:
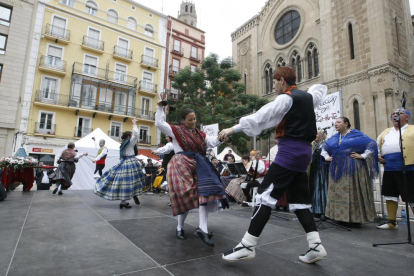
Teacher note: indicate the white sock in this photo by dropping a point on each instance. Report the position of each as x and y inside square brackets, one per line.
[60, 188]
[203, 217]
[313, 238]
[57, 186]
[181, 219]
[249, 240]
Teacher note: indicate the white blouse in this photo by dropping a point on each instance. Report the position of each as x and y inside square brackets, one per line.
[271, 114]
[129, 151]
[165, 149]
[165, 128]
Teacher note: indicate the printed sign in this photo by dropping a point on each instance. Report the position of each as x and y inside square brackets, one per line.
[37, 150]
[42, 150]
[327, 112]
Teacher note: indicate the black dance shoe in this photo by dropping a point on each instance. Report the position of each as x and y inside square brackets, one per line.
[136, 200]
[180, 234]
[204, 237]
[54, 191]
[126, 206]
[60, 193]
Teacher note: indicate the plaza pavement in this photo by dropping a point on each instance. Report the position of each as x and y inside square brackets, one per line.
[81, 234]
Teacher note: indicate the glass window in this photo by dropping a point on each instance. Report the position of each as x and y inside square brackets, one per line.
[54, 57]
[310, 66]
[90, 65]
[68, 2]
[58, 27]
[145, 106]
[287, 27]
[176, 66]
[3, 43]
[193, 52]
[143, 134]
[91, 7]
[112, 16]
[351, 41]
[116, 129]
[177, 46]
[120, 72]
[5, 15]
[45, 121]
[132, 24]
[316, 62]
[49, 88]
[149, 30]
[193, 68]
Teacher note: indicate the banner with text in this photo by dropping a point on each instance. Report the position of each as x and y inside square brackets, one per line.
[327, 112]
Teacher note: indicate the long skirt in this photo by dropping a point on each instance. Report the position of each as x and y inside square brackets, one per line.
[182, 185]
[64, 173]
[351, 199]
[122, 181]
[235, 191]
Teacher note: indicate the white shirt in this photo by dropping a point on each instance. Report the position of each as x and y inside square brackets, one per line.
[165, 128]
[129, 151]
[271, 114]
[260, 168]
[103, 152]
[165, 149]
[391, 141]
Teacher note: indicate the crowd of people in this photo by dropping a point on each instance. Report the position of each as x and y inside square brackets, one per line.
[305, 172]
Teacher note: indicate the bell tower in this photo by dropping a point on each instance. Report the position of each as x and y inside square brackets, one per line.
[187, 13]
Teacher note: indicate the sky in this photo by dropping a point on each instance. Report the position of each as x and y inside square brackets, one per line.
[218, 18]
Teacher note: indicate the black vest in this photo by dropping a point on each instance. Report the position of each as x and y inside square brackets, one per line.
[167, 158]
[300, 121]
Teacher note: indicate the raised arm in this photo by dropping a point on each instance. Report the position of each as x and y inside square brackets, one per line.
[318, 92]
[165, 149]
[161, 124]
[135, 132]
[212, 141]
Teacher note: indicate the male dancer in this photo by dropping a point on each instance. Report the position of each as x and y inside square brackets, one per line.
[100, 158]
[292, 112]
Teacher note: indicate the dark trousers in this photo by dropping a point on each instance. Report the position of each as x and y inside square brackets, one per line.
[99, 167]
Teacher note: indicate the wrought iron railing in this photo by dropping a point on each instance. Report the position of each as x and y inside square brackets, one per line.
[82, 131]
[195, 56]
[148, 86]
[174, 70]
[57, 32]
[122, 52]
[178, 51]
[89, 70]
[150, 61]
[53, 63]
[145, 140]
[145, 114]
[45, 128]
[93, 43]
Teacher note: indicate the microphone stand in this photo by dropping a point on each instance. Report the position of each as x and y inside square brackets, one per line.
[404, 181]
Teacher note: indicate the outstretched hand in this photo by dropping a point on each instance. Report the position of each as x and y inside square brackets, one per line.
[224, 134]
[134, 121]
[159, 103]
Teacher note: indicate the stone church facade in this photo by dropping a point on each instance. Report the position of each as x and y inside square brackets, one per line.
[362, 47]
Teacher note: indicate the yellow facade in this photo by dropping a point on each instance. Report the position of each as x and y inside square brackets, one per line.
[100, 64]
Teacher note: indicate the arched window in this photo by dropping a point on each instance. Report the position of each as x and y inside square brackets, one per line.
[297, 65]
[191, 9]
[91, 7]
[186, 8]
[357, 124]
[268, 79]
[281, 62]
[351, 41]
[316, 62]
[397, 33]
[112, 16]
[310, 66]
[149, 30]
[132, 23]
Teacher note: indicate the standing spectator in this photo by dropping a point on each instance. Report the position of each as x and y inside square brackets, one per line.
[229, 153]
[390, 156]
[354, 163]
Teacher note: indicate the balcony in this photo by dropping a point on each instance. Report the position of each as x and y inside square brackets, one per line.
[47, 96]
[195, 57]
[115, 135]
[174, 93]
[145, 114]
[44, 129]
[173, 70]
[149, 62]
[178, 51]
[81, 132]
[100, 73]
[145, 140]
[148, 88]
[52, 65]
[93, 44]
[122, 54]
[57, 34]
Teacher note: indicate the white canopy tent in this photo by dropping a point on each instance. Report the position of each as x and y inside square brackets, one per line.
[145, 158]
[220, 156]
[83, 178]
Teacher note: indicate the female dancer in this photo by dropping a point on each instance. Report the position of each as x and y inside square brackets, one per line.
[192, 180]
[126, 179]
[63, 175]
